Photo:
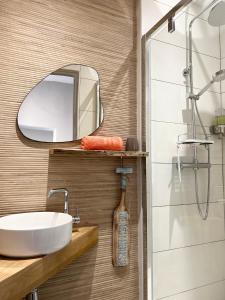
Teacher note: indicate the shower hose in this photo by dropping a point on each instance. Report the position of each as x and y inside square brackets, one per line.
[203, 214]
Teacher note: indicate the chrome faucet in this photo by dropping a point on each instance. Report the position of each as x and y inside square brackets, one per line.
[76, 219]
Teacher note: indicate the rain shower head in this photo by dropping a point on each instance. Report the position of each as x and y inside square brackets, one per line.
[217, 15]
[219, 76]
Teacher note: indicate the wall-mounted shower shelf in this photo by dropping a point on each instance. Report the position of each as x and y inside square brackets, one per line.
[195, 142]
[98, 153]
[19, 276]
[197, 165]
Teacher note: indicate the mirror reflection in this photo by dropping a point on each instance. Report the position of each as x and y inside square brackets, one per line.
[63, 107]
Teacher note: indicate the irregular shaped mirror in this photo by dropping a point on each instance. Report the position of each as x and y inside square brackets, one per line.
[63, 107]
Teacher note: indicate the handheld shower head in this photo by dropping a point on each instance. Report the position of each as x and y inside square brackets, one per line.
[217, 15]
[219, 76]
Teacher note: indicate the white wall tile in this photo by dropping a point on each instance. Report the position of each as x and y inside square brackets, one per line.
[164, 137]
[169, 104]
[178, 37]
[222, 39]
[208, 105]
[181, 226]
[168, 63]
[167, 189]
[215, 291]
[201, 29]
[223, 82]
[158, 8]
[205, 38]
[215, 151]
[183, 269]
[223, 149]
[204, 67]
[197, 6]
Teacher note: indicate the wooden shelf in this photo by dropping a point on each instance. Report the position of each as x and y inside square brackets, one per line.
[99, 153]
[19, 276]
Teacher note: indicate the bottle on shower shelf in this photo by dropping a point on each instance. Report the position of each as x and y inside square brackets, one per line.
[220, 117]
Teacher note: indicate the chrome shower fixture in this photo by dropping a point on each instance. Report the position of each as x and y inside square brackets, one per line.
[217, 15]
[216, 18]
[219, 76]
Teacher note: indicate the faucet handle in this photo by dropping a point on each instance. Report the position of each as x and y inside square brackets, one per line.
[76, 218]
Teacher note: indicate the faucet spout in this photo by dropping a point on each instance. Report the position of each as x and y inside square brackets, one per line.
[76, 219]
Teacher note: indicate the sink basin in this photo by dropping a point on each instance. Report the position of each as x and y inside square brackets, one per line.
[34, 234]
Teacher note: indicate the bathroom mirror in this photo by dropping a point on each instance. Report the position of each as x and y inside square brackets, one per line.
[63, 107]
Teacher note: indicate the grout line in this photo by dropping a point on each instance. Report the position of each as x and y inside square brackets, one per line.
[175, 163]
[196, 288]
[166, 163]
[188, 204]
[189, 246]
[178, 123]
[183, 85]
[185, 48]
[184, 124]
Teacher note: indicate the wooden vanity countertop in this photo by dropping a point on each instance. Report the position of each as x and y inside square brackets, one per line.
[19, 276]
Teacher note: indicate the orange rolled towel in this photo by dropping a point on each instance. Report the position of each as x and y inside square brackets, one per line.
[102, 143]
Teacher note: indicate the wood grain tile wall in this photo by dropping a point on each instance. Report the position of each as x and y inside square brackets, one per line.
[37, 37]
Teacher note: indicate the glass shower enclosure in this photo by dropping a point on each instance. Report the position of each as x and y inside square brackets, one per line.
[185, 128]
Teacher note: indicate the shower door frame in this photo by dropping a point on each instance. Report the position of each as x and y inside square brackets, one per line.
[145, 128]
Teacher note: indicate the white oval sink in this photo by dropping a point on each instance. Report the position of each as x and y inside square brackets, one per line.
[33, 234]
